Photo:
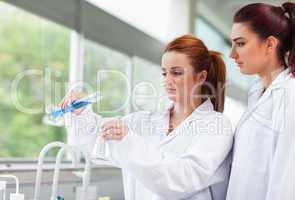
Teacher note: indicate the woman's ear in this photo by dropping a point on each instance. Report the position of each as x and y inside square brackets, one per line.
[202, 76]
[271, 44]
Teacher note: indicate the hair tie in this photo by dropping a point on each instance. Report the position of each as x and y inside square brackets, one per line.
[285, 12]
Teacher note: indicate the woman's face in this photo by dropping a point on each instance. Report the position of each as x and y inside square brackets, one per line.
[181, 82]
[248, 50]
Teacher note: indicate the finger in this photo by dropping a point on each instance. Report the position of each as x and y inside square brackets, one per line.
[112, 128]
[65, 103]
[111, 124]
[113, 136]
[111, 132]
[72, 96]
[67, 98]
[62, 102]
[79, 111]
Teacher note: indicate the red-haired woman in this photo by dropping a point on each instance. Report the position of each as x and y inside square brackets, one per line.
[263, 43]
[182, 152]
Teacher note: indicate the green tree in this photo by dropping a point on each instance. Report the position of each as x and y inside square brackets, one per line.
[29, 42]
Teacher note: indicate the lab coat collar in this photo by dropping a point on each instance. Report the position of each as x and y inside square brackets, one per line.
[277, 83]
[201, 110]
[256, 97]
[255, 93]
[205, 107]
[197, 114]
[281, 78]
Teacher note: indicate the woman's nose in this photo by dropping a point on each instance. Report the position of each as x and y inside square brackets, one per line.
[168, 79]
[233, 54]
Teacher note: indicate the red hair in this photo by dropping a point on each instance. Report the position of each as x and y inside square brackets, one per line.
[203, 59]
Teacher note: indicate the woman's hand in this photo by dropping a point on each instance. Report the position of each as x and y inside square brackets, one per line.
[114, 130]
[69, 98]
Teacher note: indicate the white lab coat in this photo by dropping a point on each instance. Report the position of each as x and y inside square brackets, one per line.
[264, 148]
[192, 162]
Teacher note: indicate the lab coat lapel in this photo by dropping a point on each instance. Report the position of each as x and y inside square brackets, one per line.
[183, 127]
[255, 99]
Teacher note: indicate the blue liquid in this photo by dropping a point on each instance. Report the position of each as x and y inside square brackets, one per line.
[70, 108]
[60, 198]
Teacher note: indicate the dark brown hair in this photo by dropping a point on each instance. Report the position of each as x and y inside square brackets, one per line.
[203, 59]
[268, 20]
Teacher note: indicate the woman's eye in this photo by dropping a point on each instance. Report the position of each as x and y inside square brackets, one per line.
[177, 73]
[173, 73]
[240, 44]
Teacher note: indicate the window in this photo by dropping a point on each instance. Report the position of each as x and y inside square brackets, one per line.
[34, 60]
[35, 66]
[234, 104]
[147, 86]
[215, 41]
[106, 71]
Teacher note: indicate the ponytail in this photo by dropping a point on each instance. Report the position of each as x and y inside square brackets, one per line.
[217, 77]
[289, 8]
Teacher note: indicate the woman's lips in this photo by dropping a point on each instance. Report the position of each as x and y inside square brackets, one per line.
[239, 64]
[169, 90]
